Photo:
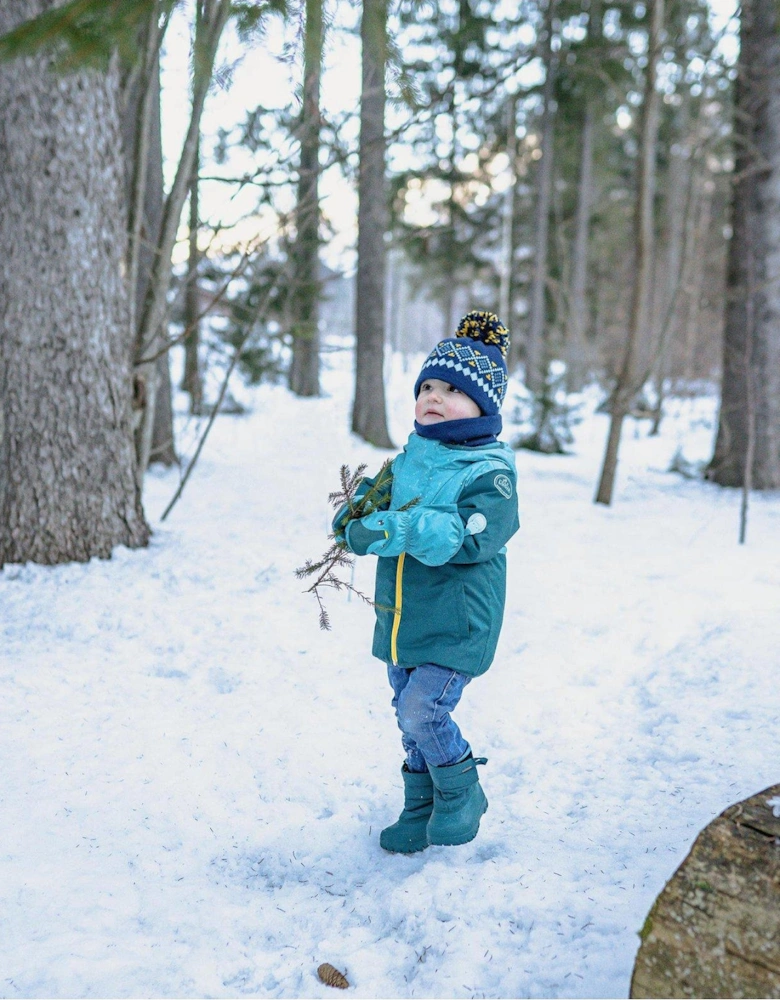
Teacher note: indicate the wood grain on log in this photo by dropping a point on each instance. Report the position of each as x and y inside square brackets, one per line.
[715, 929]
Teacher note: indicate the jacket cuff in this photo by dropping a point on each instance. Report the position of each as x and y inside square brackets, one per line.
[360, 538]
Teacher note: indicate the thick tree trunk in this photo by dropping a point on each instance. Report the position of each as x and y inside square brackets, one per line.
[639, 320]
[715, 929]
[368, 414]
[305, 367]
[756, 237]
[67, 483]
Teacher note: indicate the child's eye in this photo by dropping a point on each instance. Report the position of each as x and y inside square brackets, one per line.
[453, 388]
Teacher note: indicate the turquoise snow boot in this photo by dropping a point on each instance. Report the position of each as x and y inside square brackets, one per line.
[458, 802]
[408, 834]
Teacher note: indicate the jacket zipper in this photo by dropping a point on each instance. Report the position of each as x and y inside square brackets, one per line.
[399, 597]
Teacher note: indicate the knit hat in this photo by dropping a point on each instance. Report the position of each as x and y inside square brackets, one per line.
[474, 360]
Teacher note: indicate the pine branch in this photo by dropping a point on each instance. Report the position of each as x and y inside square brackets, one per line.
[349, 485]
[84, 32]
[338, 556]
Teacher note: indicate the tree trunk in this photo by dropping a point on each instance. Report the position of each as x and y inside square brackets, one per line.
[192, 382]
[639, 319]
[701, 219]
[577, 350]
[505, 310]
[147, 232]
[679, 184]
[67, 483]
[305, 367]
[210, 26]
[756, 237]
[163, 449]
[534, 375]
[368, 414]
[715, 929]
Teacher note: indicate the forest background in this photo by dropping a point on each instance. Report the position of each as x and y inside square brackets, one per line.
[601, 175]
[232, 231]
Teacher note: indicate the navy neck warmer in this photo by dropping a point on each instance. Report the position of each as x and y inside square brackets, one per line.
[470, 431]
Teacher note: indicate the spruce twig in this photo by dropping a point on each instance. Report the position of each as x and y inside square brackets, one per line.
[338, 557]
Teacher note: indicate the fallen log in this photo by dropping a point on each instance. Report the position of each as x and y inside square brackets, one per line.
[714, 931]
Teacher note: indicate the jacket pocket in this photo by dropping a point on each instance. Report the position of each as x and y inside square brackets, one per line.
[435, 609]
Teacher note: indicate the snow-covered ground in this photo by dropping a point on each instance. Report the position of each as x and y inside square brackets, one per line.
[194, 776]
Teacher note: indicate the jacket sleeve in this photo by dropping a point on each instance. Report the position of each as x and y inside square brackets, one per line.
[488, 509]
[473, 530]
[432, 534]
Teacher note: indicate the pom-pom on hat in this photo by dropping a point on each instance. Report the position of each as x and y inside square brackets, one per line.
[474, 360]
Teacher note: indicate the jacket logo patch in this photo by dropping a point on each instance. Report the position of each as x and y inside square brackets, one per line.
[504, 486]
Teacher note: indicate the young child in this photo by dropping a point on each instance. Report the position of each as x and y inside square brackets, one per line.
[441, 575]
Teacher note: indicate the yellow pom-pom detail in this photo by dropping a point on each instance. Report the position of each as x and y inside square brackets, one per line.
[485, 327]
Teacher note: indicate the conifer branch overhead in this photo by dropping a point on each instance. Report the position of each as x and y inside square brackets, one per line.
[84, 32]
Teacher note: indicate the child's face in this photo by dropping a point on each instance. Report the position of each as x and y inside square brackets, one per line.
[439, 401]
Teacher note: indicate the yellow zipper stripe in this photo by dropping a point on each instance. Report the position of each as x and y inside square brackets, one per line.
[399, 597]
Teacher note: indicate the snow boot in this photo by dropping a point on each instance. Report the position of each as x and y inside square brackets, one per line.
[458, 802]
[408, 834]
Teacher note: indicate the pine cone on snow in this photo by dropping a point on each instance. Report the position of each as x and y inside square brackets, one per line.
[332, 977]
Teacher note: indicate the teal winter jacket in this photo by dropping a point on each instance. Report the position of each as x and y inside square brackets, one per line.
[441, 575]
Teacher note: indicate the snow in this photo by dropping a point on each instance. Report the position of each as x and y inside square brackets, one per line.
[194, 775]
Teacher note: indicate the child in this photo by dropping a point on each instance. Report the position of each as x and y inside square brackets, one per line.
[441, 575]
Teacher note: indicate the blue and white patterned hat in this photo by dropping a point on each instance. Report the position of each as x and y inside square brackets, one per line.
[474, 360]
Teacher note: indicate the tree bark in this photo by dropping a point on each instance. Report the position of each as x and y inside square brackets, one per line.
[67, 484]
[671, 274]
[142, 136]
[715, 929]
[639, 319]
[505, 310]
[192, 381]
[163, 443]
[534, 376]
[211, 24]
[304, 374]
[756, 237]
[700, 222]
[576, 348]
[368, 413]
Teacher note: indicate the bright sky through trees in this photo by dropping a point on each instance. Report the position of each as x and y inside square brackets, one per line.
[270, 76]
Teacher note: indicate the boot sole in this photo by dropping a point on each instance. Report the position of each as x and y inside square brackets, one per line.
[400, 850]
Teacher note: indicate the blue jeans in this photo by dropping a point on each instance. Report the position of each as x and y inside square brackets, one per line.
[423, 699]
